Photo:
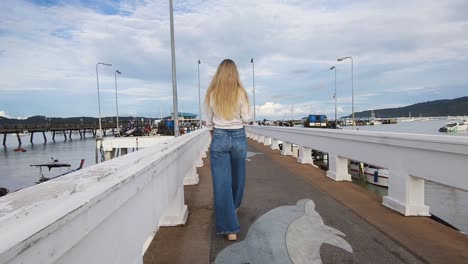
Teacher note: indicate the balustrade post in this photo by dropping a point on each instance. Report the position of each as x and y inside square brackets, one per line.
[405, 194]
[338, 168]
[255, 137]
[123, 151]
[267, 141]
[191, 178]
[260, 139]
[286, 151]
[305, 156]
[107, 155]
[295, 151]
[177, 212]
[274, 144]
[207, 145]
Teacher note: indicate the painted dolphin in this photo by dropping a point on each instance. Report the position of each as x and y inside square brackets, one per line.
[286, 234]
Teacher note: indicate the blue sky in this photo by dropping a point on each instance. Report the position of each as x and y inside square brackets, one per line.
[404, 52]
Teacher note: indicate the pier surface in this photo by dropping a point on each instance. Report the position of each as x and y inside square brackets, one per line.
[292, 213]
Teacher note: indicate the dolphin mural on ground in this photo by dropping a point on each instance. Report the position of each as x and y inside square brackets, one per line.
[287, 234]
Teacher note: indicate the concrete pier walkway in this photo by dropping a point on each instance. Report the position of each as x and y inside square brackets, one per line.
[292, 213]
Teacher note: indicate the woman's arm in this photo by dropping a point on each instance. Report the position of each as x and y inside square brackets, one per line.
[246, 112]
[209, 117]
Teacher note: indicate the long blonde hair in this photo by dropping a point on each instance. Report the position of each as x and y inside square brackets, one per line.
[225, 90]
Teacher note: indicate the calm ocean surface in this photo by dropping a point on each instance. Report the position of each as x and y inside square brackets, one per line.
[15, 173]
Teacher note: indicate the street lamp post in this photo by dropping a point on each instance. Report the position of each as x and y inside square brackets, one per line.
[253, 90]
[352, 81]
[174, 77]
[99, 99]
[334, 95]
[199, 97]
[116, 105]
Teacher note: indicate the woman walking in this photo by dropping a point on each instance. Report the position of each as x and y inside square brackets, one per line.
[228, 110]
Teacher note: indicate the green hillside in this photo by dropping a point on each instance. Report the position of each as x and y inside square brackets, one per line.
[453, 107]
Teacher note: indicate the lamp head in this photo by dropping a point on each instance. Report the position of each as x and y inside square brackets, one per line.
[251, 60]
[117, 71]
[343, 58]
[199, 62]
[333, 67]
[102, 63]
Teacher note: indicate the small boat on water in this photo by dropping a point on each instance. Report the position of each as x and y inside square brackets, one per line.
[54, 164]
[454, 127]
[19, 149]
[24, 133]
[372, 174]
[3, 191]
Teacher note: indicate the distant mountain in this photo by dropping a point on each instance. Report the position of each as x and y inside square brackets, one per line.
[453, 107]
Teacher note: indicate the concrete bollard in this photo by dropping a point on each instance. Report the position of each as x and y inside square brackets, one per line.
[305, 156]
[286, 151]
[338, 168]
[274, 144]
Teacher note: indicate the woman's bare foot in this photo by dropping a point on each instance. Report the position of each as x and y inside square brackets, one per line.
[232, 237]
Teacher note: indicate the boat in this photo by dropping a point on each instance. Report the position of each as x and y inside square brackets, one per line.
[19, 149]
[54, 164]
[454, 127]
[370, 173]
[24, 133]
[3, 191]
[374, 122]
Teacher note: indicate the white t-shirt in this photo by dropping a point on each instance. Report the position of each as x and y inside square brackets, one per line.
[243, 116]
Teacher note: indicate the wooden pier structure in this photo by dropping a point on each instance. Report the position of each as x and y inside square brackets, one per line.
[64, 129]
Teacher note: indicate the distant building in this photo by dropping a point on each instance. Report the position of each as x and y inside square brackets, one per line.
[184, 117]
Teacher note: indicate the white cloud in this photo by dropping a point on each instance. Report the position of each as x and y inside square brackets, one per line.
[394, 45]
[3, 114]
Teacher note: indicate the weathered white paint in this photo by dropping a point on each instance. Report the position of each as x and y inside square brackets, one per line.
[295, 151]
[105, 213]
[338, 168]
[254, 136]
[261, 139]
[410, 158]
[111, 143]
[267, 141]
[274, 144]
[305, 155]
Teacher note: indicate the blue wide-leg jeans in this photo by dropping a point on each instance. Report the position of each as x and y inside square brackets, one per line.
[228, 152]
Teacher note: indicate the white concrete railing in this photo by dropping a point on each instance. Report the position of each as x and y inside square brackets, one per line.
[110, 145]
[410, 158]
[107, 213]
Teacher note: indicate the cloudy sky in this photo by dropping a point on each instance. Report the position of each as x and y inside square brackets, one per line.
[404, 52]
